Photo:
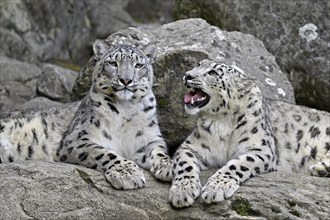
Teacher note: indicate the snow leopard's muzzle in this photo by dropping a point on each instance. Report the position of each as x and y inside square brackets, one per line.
[196, 98]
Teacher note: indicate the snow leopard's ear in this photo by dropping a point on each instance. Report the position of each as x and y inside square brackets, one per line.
[244, 84]
[99, 47]
[150, 51]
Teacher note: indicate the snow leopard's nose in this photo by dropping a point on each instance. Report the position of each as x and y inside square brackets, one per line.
[125, 82]
[187, 77]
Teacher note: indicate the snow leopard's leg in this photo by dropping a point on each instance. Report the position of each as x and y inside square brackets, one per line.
[186, 184]
[120, 172]
[156, 156]
[226, 180]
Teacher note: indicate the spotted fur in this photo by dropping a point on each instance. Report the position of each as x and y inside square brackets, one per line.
[243, 135]
[114, 129]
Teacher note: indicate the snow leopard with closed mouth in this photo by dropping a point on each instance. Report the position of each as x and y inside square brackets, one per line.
[243, 135]
[114, 129]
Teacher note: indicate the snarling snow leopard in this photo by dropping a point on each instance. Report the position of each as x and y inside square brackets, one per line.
[114, 129]
[244, 135]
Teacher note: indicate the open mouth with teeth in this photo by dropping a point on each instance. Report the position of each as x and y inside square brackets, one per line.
[196, 98]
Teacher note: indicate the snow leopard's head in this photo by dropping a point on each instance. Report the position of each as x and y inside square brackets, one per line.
[214, 87]
[123, 71]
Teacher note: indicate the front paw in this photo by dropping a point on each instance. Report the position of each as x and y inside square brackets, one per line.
[218, 189]
[321, 169]
[162, 169]
[184, 191]
[125, 174]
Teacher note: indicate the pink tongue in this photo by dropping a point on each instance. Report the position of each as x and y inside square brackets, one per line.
[192, 96]
[187, 98]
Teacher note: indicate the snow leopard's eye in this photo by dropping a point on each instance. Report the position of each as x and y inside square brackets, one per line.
[112, 63]
[212, 73]
[139, 65]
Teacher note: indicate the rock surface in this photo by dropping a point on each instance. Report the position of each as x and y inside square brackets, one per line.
[42, 190]
[182, 44]
[17, 84]
[43, 30]
[22, 82]
[296, 32]
[56, 82]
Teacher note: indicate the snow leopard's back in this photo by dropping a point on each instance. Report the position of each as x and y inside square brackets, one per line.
[35, 135]
[302, 135]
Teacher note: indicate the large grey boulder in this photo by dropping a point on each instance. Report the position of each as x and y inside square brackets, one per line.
[17, 84]
[26, 86]
[42, 190]
[54, 29]
[149, 13]
[181, 45]
[44, 30]
[297, 32]
[56, 82]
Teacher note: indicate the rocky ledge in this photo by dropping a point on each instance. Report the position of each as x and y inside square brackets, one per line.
[43, 190]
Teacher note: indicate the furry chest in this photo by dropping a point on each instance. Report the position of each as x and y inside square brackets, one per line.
[127, 134]
[216, 142]
[218, 154]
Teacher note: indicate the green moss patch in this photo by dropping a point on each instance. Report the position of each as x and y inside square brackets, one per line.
[243, 208]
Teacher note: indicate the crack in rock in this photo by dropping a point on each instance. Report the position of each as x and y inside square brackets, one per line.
[86, 178]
